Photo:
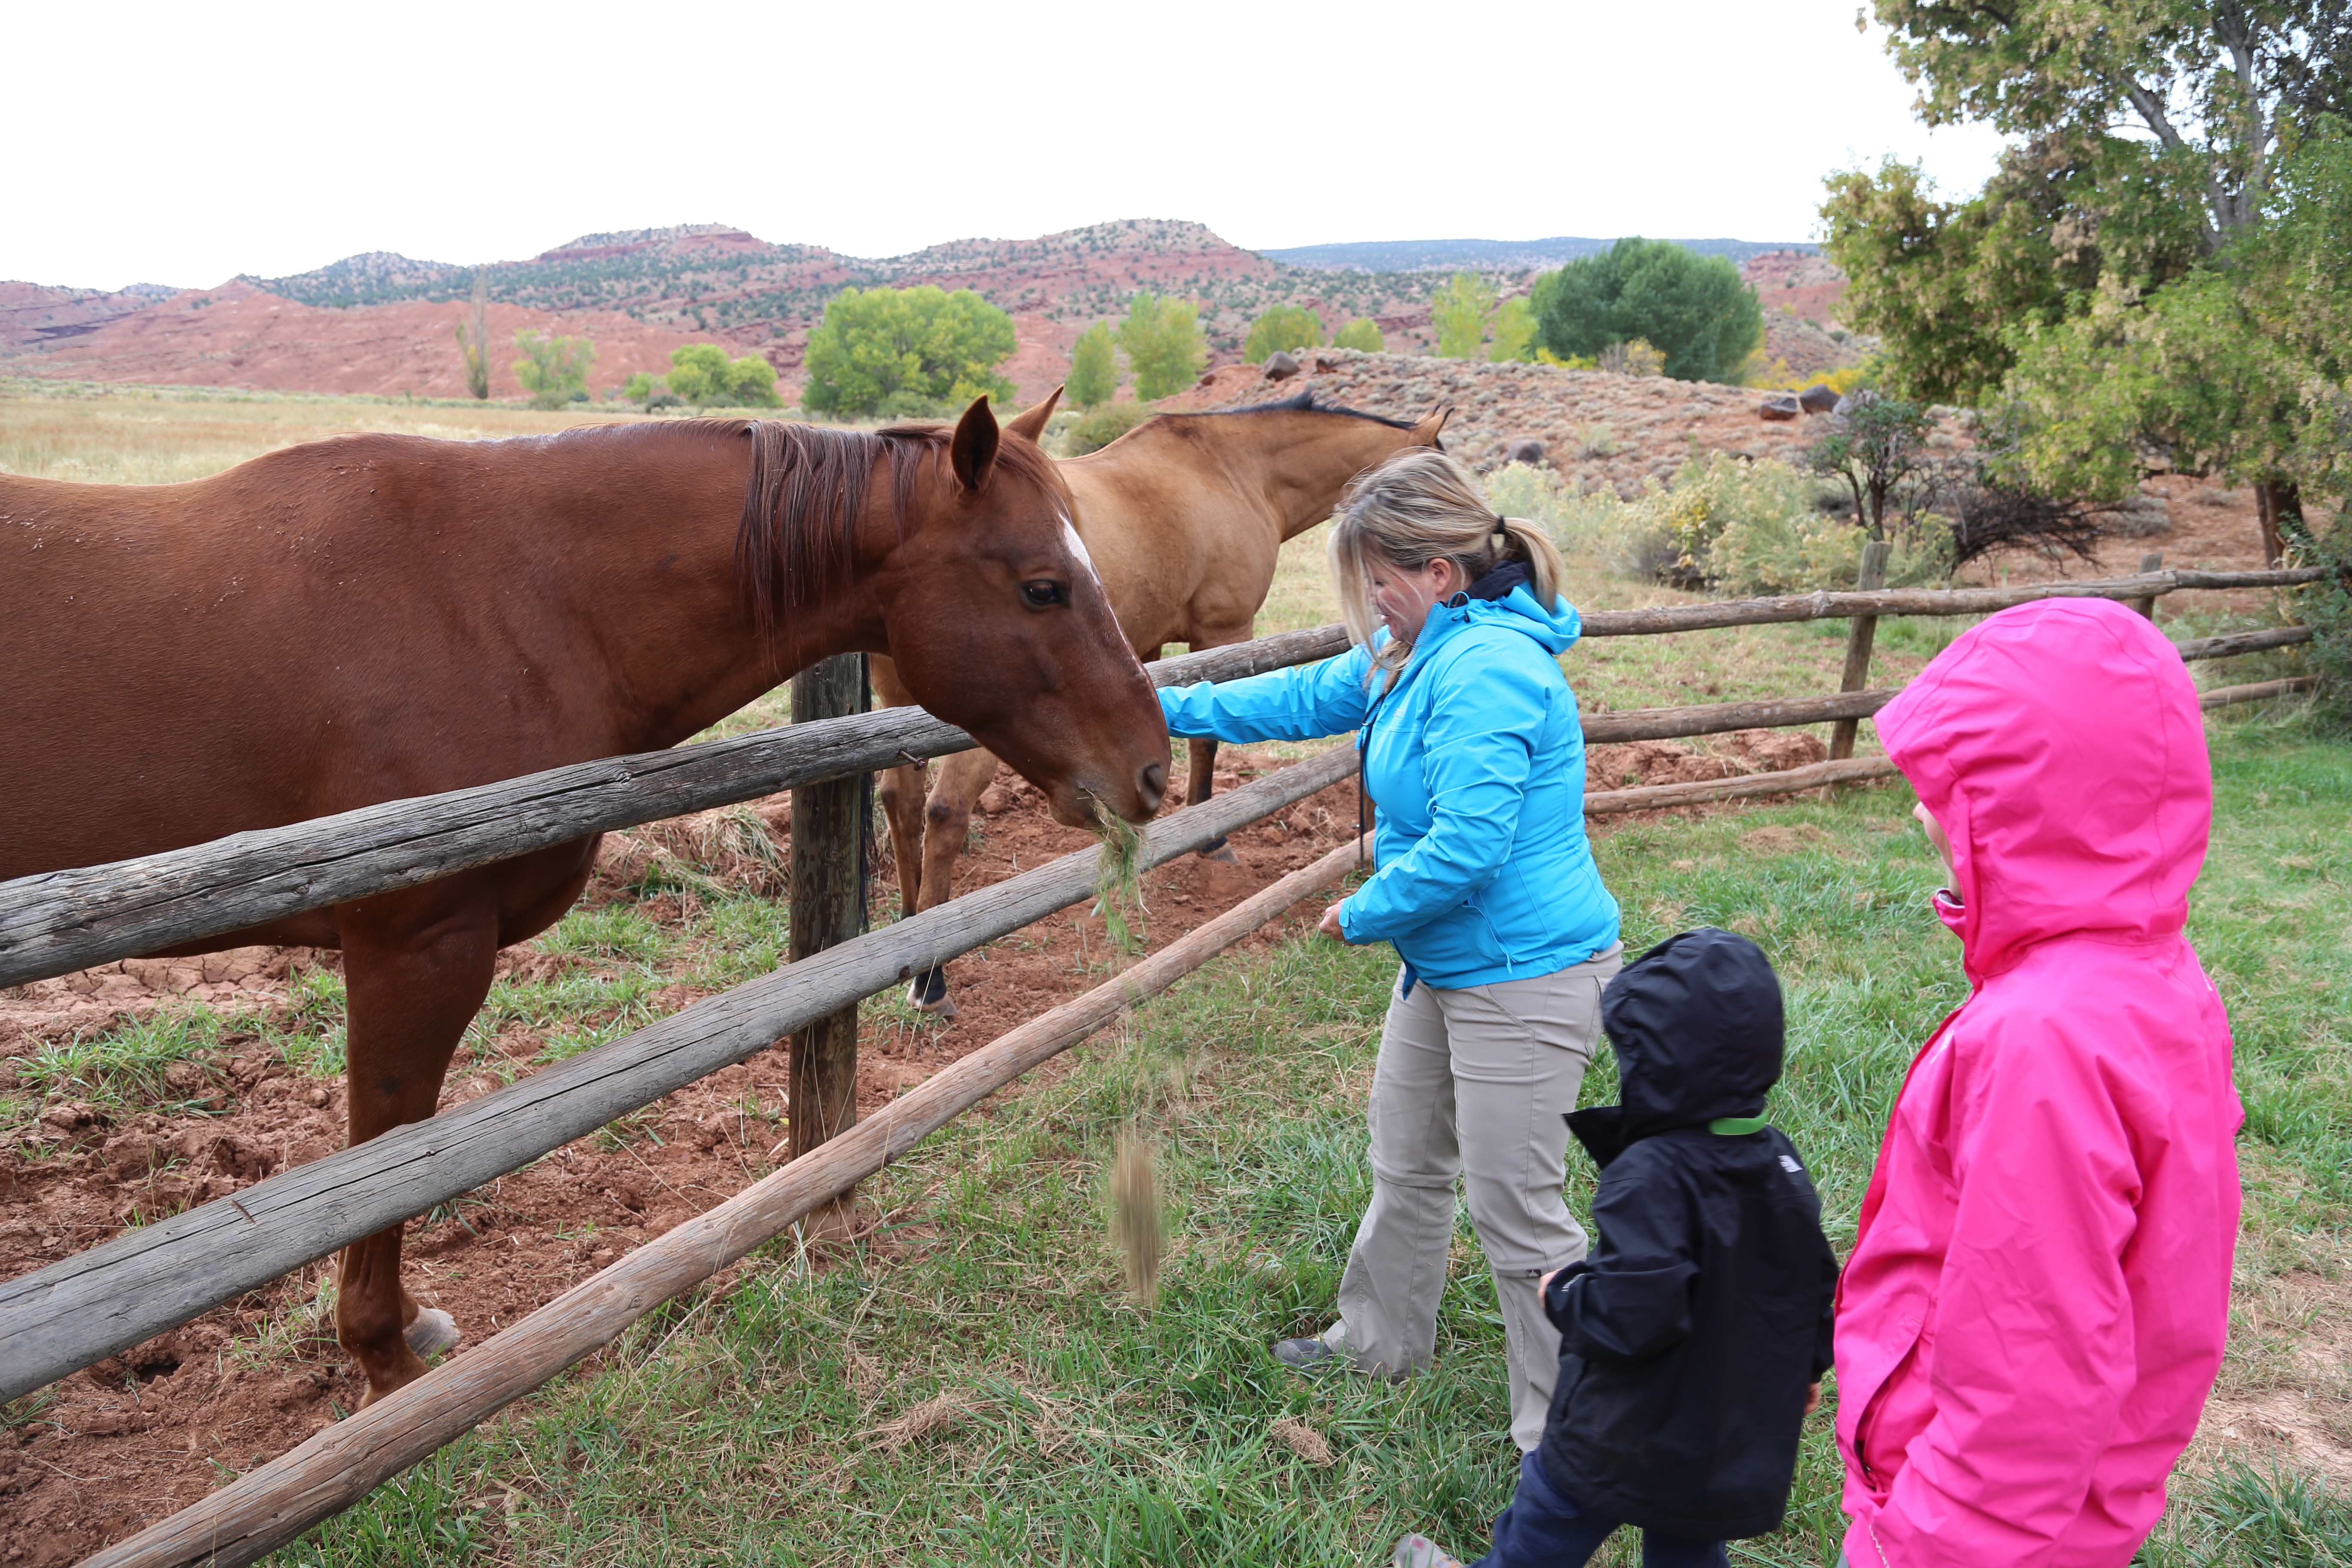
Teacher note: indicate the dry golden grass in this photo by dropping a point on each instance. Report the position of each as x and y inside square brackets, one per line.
[135, 436]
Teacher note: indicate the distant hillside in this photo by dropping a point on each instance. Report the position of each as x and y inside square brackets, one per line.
[385, 323]
[1492, 255]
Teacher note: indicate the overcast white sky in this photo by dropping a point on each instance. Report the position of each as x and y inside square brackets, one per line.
[185, 144]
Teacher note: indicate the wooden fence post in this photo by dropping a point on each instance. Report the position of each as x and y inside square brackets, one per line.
[2151, 562]
[1858, 641]
[828, 904]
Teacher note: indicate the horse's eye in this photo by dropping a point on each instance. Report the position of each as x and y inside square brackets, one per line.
[1044, 594]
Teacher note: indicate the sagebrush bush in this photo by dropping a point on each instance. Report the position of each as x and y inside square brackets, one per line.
[1098, 427]
[1758, 527]
[1744, 528]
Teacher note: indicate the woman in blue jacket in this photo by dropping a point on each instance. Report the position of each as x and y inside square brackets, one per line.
[1473, 759]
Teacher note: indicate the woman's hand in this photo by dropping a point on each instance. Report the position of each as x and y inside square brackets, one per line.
[1329, 925]
[1813, 1398]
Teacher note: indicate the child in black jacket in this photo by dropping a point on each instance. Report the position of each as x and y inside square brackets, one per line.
[1694, 1338]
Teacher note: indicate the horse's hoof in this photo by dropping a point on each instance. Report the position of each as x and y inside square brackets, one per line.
[433, 1331]
[1221, 850]
[927, 993]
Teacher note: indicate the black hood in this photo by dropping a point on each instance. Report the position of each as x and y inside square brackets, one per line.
[1697, 1025]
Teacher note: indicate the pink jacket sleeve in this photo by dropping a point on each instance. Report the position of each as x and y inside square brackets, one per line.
[2031, 1353]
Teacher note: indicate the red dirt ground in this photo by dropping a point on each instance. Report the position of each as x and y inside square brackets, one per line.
[116, 1446]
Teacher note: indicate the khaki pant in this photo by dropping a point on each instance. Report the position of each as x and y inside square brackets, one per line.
[1472, 1083]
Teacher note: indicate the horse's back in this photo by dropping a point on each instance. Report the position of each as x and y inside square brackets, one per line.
[193, 660]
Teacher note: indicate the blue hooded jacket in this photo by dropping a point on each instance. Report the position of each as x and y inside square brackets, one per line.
[1475, 762]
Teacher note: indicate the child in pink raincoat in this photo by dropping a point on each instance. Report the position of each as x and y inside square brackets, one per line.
[2036, 1303]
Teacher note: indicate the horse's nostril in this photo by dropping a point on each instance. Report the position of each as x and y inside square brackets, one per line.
[1151, 784]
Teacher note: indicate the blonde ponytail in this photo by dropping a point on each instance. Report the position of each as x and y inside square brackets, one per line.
[1420, 506]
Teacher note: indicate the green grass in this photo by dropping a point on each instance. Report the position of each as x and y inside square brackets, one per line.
[970, 1383]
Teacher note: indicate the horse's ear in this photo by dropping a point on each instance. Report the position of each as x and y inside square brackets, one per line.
[1030, 423]
[973, 449]
[1425, 433]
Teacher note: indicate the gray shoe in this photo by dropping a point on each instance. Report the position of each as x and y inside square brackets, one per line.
[1302, 1353]
[1419, 1551]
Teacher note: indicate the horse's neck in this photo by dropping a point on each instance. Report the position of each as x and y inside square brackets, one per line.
[682, 647]
[1299, 464]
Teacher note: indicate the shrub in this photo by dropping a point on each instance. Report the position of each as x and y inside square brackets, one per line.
[1164, 345]
[1362, 334]
[906, 353]
[1283, 327]
[1696, 308]
[1099, 427]
[1635, 357]
[1094, 368]
[1460, 314]
[553, 369]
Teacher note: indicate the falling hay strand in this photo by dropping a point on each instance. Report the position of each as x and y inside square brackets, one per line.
[1136, 1221]
[1118, 880]
[1302, 1440]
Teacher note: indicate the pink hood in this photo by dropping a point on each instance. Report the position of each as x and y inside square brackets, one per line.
[2038, 1295]
[2061, 747]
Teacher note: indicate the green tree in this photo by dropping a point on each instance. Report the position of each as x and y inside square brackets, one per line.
[906, 353]
[1285, 327]
[1362, 334]
[2145, 273]
[1514, 330]
[1695, 310]
[1879, 448]
[554, 371]
[702, 375]
[1460, 313]
[1094, 368]
[1164, 345]
[476, 348]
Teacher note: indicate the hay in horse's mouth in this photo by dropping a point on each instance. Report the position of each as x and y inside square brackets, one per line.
[1118, 879]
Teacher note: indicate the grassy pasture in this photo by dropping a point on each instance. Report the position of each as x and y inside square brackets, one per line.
[968, 1384]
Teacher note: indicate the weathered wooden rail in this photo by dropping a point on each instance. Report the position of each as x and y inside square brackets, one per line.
[60, 921]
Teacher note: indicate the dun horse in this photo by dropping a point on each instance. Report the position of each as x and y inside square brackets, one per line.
[375, 616]
[1184, 517]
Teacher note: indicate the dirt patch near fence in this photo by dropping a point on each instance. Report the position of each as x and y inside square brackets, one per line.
[117, 1447]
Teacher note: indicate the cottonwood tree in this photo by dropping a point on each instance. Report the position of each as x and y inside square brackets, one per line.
[906, 353]
[1282, 328]
[554, 370]
[1094, 368]
[1362, 334]
[1460, 314]
[1164, 345]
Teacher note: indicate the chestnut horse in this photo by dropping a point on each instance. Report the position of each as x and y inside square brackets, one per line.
[375, 616]
[1184, 517]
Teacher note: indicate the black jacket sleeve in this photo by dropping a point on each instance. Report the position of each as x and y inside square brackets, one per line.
[1824, 1340]
[1631, 1299]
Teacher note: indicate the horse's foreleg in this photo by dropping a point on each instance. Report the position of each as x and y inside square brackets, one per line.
[415, 967]
[946, 823]
[1200, 782]
[902, 807]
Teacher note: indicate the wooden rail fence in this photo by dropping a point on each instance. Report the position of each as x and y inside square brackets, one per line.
[60, 921]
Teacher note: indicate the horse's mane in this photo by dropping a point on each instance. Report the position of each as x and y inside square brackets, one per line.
[1304, 403]
[807, 492]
